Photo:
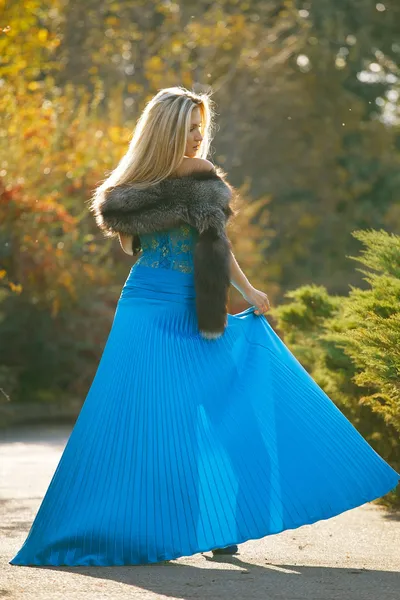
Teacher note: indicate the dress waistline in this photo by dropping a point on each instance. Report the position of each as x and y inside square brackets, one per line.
[150, 282]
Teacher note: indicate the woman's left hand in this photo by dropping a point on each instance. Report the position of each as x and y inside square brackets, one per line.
[258, 299]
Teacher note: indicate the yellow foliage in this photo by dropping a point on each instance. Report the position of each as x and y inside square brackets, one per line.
[154, 63]
[176, 47]
[114, 134]
[65, 278]
[17, 288]
[134, 88]
[43, 35]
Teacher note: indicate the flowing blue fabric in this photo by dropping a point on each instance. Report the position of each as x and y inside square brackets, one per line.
[185, 444]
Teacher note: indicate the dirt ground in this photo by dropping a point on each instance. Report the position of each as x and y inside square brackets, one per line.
[354, 556]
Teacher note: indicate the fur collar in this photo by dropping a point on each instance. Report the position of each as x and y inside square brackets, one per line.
[204, 200]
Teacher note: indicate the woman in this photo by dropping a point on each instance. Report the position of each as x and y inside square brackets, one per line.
[200, 430]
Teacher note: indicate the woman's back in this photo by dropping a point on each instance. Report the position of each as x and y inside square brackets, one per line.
[170, 249]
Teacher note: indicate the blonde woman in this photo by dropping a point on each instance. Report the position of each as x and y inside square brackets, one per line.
[200, 430]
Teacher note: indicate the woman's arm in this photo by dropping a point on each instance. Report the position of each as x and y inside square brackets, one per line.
[238, 278]
[249, 293]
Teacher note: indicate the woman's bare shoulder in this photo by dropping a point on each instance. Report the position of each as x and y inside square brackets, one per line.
[194, 165]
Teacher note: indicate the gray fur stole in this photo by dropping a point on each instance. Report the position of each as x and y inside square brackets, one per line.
[204, 200]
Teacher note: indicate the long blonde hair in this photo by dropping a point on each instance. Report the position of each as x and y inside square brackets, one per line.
[158, 142]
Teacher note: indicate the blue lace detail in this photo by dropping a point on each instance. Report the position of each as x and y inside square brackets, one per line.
[170, 249]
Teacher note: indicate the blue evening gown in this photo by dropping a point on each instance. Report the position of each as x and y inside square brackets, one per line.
[185, 444]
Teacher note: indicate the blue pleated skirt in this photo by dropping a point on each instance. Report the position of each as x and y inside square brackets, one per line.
[185, 444]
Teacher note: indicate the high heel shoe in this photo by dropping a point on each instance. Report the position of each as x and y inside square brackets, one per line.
[233, 549]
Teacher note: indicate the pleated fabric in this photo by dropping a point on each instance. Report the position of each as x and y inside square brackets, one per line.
[185, 444]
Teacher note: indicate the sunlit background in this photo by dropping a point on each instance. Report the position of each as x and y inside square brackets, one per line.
[308, 129]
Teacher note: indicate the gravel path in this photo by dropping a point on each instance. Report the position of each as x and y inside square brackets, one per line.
[354, 556]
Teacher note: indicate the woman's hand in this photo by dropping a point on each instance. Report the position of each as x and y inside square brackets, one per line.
[258, 299]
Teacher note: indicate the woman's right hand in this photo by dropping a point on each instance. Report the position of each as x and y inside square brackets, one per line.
[258, 299]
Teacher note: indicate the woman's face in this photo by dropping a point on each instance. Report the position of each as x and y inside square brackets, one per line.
[194, 137]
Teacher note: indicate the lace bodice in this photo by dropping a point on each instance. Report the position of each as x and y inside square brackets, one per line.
[169, 249]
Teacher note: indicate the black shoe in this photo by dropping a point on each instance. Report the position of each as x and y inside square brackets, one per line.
[226, 550]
